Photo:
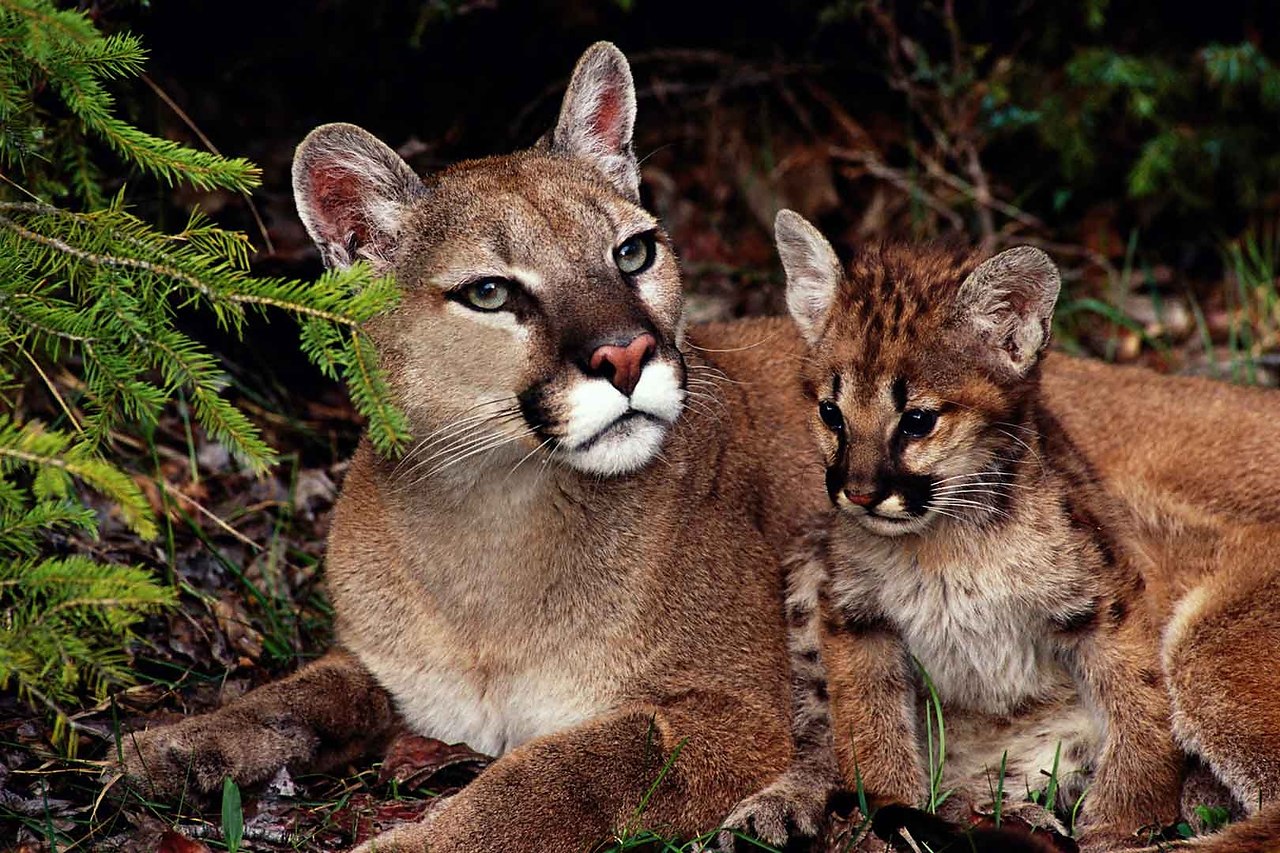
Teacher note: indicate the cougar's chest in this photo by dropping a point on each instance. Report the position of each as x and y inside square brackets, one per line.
[488, 673]
[492, 632]
[453, 699]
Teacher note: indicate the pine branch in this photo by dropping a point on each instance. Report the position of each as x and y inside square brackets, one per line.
[98, 293]
[48, 450]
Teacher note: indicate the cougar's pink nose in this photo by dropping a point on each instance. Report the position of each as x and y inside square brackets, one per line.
[621, 365]
[859, 500]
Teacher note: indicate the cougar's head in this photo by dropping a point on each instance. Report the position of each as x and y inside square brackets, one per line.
[921, 370]
[541, 303]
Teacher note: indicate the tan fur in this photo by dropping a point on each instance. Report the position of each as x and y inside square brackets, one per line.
[1037, 588]
[588, 628]
[586, 624]
[1201, 491]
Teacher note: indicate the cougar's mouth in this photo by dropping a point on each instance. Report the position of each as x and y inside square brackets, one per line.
[626, 418]
[905, 506]
[599, 430]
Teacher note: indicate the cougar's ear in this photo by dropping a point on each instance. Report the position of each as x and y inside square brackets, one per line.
[598, 117]
[352, 192]
[1008, 301]
[813, 273]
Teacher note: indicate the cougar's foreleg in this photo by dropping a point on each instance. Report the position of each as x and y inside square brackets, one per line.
[325, 714]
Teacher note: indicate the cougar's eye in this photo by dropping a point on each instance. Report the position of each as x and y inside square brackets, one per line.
[917, 423]
[830, 414]
[487, 294]
[636, 253]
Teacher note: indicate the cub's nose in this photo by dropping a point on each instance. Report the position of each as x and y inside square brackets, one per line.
[859, 499]
[621, 365]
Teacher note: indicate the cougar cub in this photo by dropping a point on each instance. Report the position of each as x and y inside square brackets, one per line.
[978, 557]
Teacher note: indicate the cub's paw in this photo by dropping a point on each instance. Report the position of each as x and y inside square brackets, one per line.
[786, 815]
[906, 828]
[1034, 817]
[191, 758]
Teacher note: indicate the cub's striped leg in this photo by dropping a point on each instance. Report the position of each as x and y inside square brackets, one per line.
[794, 805]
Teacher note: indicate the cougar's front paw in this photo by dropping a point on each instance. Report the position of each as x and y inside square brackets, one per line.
[787, 814]
[170, 762]
[192, 758]
[405, 839]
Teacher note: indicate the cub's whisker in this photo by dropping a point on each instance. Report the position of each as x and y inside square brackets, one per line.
[998, 485]
[954, 502]
[972, 474]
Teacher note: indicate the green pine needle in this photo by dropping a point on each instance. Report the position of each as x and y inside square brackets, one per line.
[92, 290]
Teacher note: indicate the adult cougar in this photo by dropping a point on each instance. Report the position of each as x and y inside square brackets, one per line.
[573, 566]
[585, 598]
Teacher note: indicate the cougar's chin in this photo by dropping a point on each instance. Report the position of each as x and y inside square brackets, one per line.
[608, 433]
[630, 444]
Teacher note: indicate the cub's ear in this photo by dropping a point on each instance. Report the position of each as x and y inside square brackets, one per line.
[1009, 301]
[813, 273]
[352, 192]
[598, 117]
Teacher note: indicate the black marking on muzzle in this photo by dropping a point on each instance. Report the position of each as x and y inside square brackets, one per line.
[836, 471]
[533, 407]
[916, 491]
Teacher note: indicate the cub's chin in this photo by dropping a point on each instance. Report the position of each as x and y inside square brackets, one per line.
[881, 526]
[627, 445]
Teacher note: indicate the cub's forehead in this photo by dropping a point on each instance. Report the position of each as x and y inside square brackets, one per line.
[871, 370]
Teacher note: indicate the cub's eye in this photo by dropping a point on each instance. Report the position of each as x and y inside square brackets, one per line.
[636, 253]
[487, 294]
[917, 423]
[830, 414]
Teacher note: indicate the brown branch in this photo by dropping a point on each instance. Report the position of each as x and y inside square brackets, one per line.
[208, 143]
[899, 179]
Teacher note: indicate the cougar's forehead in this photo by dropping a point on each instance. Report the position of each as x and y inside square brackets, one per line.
[534, 213]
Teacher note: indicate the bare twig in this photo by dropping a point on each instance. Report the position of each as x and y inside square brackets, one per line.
[208, 143]
[900, 180]
[209, 514]
[1097, 259]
